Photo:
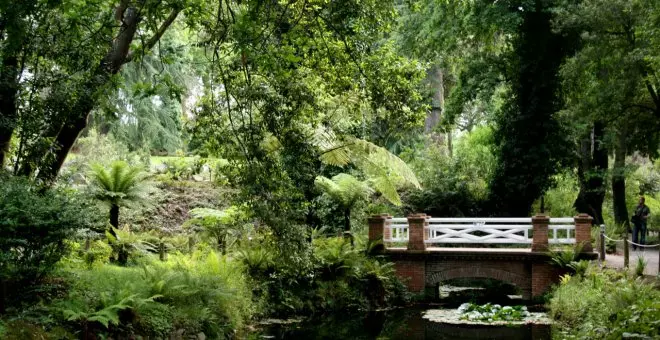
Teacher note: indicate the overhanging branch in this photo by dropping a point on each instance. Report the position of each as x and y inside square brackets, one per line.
[157, 35]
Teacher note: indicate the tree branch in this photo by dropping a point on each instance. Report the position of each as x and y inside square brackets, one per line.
[157, 35]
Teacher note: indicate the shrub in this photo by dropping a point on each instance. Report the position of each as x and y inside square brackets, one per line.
[185, 167]
[225, 226]
[457, 185]
[640, 266]
[34, 224]
[128, 245]
[203, 292]
[605, 305]
[339, 278]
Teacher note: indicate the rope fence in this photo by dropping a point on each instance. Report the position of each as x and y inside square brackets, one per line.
[626, 242]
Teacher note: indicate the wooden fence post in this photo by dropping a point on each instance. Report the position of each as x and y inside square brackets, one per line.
[601, 243]
[626, 251]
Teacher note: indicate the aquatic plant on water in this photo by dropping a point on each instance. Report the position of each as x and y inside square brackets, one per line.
[492, 312]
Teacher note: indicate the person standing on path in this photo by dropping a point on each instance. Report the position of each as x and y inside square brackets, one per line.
[639, 220]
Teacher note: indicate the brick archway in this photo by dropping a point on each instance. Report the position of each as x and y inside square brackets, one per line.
[521, 281]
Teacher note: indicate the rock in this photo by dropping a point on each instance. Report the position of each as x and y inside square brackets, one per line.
[160, 168]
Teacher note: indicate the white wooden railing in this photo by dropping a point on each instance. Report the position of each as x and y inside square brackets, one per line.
[482, 230]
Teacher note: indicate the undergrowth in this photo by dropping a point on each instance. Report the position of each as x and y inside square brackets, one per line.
[605, 304]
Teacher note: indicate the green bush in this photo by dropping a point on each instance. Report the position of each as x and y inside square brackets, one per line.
[560, 198]
[456, 185]
[224, 226]
[34, 224]
[340, 278]
[202, 292]
[606, 305]
[184, 167]
[128, 245]
[97, 148]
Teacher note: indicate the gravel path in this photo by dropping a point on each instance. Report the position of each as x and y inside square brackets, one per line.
[651, 256]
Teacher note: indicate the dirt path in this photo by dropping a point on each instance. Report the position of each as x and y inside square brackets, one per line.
[650, 255]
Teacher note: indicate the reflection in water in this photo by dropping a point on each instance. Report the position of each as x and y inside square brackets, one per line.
[406, 324]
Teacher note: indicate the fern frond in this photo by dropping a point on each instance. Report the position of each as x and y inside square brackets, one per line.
[328, 186]
[122, 184]
[387, 189]
[372, 158]
[385, 171]
[344, 188]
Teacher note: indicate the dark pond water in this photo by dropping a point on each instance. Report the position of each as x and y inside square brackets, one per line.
[405, 324]
[408, 324]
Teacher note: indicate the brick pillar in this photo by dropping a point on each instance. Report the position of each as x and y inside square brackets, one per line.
[583, 232]
[376, 228]
[416, 231]
[387, 232]
[542, 274]
[540, 230]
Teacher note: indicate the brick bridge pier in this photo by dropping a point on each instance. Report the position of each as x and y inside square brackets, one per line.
[412, 245]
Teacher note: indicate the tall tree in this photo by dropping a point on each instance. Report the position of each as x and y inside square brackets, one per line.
[612, 88]
[531, 143]
[79, 48]
[18, 22]
[592, 172]
[313, 64]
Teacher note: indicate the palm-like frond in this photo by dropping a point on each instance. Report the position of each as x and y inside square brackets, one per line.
[385, 171]
[121, 185]
[344, 188]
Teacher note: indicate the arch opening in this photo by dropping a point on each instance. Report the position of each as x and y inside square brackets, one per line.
[479, 285]
[479, 290]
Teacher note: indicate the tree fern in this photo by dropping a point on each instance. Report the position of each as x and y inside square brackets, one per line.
[122, 185]
[346, 190]
[385, 171]
[221, 224]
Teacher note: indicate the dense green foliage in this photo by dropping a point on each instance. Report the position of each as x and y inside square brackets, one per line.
[268, 128]
[606, 305]
[35, 224]
[456, 185]
[339, 277]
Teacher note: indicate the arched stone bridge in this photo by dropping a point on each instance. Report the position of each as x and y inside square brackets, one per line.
[418, 248]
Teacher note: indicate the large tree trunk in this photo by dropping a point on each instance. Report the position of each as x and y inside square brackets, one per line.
[347, 225]
[14, 26]
[8, 89]
[528, 137]
[114, 217]
[619, 182]
[77, 121]
[592, 172]
[435, 77]
[118, 55]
